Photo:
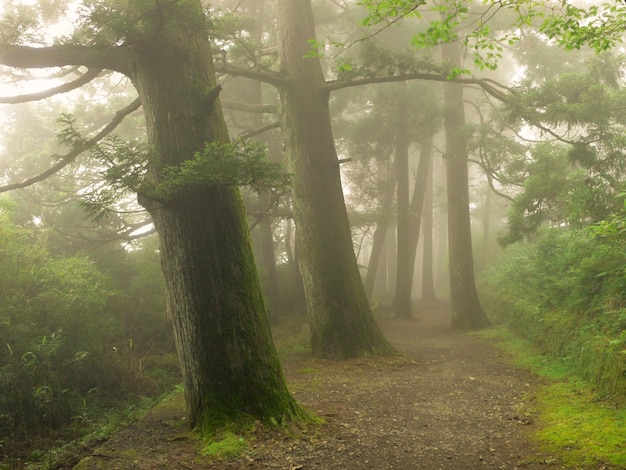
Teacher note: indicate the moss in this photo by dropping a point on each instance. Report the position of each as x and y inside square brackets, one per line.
[579, 427]
[227, 446]
[576, 424]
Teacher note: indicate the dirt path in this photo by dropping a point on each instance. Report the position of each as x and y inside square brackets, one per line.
[453, 402]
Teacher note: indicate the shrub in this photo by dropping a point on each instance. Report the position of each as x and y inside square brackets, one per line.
[566, 293]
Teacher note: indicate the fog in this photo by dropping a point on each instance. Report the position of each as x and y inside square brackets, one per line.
[174, 178]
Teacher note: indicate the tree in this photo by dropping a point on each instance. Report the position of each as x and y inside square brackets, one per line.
[341, 321]
[428, 282]
[214, 299]
[466, 309]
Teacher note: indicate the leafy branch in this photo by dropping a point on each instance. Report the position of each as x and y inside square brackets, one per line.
[234, 164]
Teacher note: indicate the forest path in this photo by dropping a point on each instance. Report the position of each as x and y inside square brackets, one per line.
[452, 402]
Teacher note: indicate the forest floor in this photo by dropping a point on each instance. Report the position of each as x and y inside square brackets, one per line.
[451, 401]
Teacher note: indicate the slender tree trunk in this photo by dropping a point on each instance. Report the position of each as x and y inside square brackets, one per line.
[381, 278]
[428, 282]
[228, 360]
[406, 260]
[402, 297]
[486, 219]
[467, 311]
[295, 288]
[341, 322]
[382, 226]
[268, 260]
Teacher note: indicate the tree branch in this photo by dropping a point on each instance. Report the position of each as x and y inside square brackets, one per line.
[260, 130]
[71, 156]
[93, 57]
[490, 178]
[254, 74]
[249, 107]
[82, 80]
[486, 84]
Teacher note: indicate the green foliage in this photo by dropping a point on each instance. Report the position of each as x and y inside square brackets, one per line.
[598, 27]
[241, 164]
[70, 337]
[382, 10]
[573, 182]
[229, 445]
[124, 169]
[567, 294]
[104, 22]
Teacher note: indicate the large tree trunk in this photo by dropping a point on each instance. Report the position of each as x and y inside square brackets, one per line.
[341, 321]
[467, 311]
[228, 359]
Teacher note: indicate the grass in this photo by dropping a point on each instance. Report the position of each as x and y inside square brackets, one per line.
[576, 424]
[227, 446]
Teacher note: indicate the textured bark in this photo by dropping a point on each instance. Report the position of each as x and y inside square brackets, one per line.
[214, 298]
[467, 311]
[341, 321]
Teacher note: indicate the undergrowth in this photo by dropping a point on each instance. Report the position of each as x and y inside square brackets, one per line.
[567, 294]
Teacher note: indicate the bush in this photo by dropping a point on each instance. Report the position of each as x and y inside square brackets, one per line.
[72, 340]
[566, 293]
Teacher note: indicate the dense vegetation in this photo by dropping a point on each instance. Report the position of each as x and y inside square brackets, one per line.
[77, 339]
[566, 292]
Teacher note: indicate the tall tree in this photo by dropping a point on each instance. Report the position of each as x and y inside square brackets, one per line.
[428, 282]
[214, 299]
[467, 311]
[402, 300]
[341, 321]
[335, 296]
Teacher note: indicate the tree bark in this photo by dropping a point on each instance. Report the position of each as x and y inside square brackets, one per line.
[467, 312]
[228, 360]
[341, 322]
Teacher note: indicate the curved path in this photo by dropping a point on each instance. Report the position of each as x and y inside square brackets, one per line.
[452, 402]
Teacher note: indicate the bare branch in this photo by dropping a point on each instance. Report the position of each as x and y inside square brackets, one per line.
[260, 130]
[83, 80]
[254, 74]
[249, 107]
[490, 178]
[93, 57]
[485, 84]
[71, 156]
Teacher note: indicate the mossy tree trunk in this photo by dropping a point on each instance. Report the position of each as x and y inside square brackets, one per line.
[467, 312]
[228, 360]
[341, 321]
